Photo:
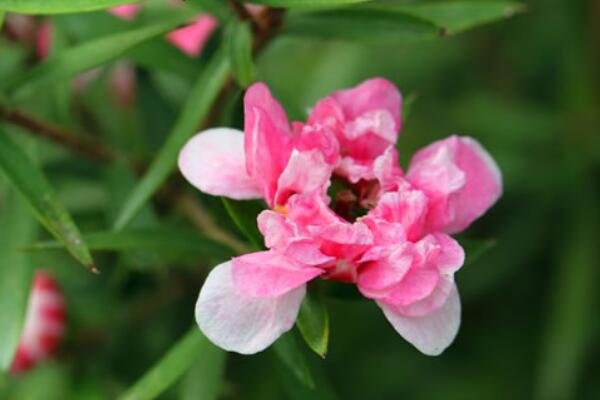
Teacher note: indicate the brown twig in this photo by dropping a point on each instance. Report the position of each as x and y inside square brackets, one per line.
[205, 224]
[82, 145]
[240, 11]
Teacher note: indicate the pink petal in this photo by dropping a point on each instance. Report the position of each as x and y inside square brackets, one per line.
[305, 172]
[385, 267]
[126, 11]
[451, 256]
[267, 274]
[213, 161]
[387, 170]
[461, 180]
[122, 82]
[268, 139]
[317, 137]
[366, 120]
[192, 38]
[435, 300]
[44, 39]
[407, 207]
[44, 324]
[417, 284]
[311, 210]
[237, 322]
[432, 333]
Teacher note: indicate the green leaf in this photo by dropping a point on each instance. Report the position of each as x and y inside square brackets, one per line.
[73, 61]
[475, 248]
[313, 323]
[572, 306]
[17, 229]
[1, 19]
[239, 42]
[455, 17]
[361, 24]
[307, 3]
[58, 6]
[203, 94]
[191, 348]
[211, 368]
[32, 184]
[288, 351]
[166, 242]
[389, 21]
[243, 214]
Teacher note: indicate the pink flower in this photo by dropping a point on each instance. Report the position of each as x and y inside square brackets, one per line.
[378, 228]
[44, 324]
[190, 39]
[126, 11]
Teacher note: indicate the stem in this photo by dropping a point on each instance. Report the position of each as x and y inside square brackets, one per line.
[82, 145]
[204, 222]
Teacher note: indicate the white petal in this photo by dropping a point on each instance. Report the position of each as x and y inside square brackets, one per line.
[431, 334]
[215, 163]
[240, 323]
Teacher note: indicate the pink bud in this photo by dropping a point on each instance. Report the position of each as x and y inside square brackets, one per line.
[44, 324]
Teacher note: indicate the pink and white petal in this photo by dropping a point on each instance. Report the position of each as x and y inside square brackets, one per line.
[461, 180]
[435, 300]
[305, 172]
[417, 284]
[267, 140]
[125, 11]
[213, 161]
[237, 322]
[267, 274]
[432, 333]
[192, 38]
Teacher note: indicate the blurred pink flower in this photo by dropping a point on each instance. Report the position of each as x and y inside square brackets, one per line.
[384, 231]
[126, 11]
[44, 324]
[190, 39]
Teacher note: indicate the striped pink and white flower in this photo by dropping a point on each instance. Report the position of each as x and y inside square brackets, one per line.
[44, 324]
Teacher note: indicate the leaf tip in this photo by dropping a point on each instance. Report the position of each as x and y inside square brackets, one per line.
[92, 268]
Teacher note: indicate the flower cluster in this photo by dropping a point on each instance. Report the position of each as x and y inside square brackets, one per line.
[341, 209]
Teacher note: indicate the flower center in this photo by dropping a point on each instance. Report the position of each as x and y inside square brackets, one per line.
[351, 201]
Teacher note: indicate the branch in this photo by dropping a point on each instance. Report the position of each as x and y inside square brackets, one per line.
[82, 145]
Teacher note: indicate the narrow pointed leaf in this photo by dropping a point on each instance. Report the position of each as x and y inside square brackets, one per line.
[371, 25]
[73, 61]
[17, 227]
[313, 323]
[307, 3]
[288, 351]
[203, 94]
[191, 348]
[204, 379]
[239, 42]
[29, 180]
[456, 17]
[58, 6]
[572, 307]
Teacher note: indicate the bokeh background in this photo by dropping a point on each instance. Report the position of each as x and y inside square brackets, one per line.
[527, 88]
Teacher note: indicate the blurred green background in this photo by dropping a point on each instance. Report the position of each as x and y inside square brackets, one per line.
[528, 88]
